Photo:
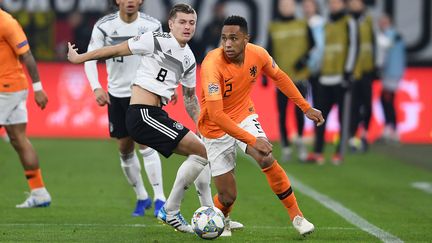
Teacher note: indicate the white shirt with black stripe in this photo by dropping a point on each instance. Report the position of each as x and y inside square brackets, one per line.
[164, 64]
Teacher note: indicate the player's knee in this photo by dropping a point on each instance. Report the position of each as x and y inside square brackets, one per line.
[265, 161]
[17, 142]
[227, 199]
[126, 145]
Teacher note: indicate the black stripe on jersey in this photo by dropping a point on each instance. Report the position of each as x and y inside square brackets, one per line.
[190, 68]
[103, 31]
[106, 18]
[168, 61]
[285, 194]
[114, 40]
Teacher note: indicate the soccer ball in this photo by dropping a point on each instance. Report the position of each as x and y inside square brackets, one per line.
[208, 222]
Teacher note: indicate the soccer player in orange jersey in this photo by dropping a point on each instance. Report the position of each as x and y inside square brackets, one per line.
[228, 118]
[13, 95]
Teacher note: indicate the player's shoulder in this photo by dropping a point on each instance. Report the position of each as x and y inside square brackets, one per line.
[7, 19]
[255, 49]
[107, 19]
[214, 57]
[147, 18]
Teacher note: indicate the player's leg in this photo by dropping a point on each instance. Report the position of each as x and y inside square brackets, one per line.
[356, 102]
[221, 154]
[282, 102]
[131, 168]
[13, 117]
[276, 177]
[153, 168]
[39, 196]
[192, 147]
[153, 127]
[324, 104]
[301, 147]
[281, 186]
[367, 109]
[338, 94]
[202, 186]
[129, 161]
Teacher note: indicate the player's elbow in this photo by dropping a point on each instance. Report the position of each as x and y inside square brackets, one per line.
[214, 117]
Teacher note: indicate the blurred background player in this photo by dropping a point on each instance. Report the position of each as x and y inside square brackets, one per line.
[337, 67]
[290, 43]
[316, 24]
[13, 97]
[228, 119]
[111, 30]
[392, 70]
[364, 75]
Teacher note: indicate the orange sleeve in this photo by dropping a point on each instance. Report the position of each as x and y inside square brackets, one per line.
[283, 81]
[15, 37]
[210, 78]
[218, 116]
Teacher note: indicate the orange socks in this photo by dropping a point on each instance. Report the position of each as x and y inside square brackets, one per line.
[34, 178]
[218, 204]
[281, 186]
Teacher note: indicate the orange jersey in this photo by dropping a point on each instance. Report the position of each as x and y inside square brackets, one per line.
[13, 43]
[226, 88]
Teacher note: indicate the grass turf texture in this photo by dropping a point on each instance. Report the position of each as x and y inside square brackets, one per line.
[92, 201]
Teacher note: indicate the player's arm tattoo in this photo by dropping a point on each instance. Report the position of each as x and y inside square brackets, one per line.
[191, 103]
[29, 61]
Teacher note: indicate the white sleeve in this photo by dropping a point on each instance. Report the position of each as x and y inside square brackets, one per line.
[159, 28]
[189, 79]
[141, 44]
[90, 67]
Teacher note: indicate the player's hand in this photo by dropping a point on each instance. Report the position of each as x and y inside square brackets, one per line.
[315, 115]
[263, 146]
[73, 55]
[174, 97]
[102, 97]
[41, 99]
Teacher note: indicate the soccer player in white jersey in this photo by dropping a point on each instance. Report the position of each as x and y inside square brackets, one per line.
[166, 61]
[110, 30]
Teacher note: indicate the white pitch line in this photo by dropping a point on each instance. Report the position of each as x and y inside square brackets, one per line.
[338, 208]
[154, 226]
[424, 186]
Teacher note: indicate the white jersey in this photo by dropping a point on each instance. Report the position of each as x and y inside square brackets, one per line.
[112, 30]
[164, 64]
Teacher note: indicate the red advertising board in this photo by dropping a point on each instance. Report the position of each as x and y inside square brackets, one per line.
[73, 112]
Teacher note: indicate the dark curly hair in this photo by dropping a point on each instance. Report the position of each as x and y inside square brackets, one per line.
[237, 20]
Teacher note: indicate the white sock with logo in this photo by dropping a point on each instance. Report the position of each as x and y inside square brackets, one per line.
[153, 168]
[186, 175]
[132, 170]
[202, 185]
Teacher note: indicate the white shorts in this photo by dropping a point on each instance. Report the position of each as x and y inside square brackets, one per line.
[13, 109]
[221, 152]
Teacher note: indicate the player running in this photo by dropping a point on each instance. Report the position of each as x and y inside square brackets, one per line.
[228, 118]
[13, 98]
[110, 30]
[166, 61]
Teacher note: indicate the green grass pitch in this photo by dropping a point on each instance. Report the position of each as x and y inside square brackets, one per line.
[92, 201]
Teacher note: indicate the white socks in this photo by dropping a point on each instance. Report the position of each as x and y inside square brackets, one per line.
[202, 185]
[132, 170]
[152, 166]
[186, 175]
